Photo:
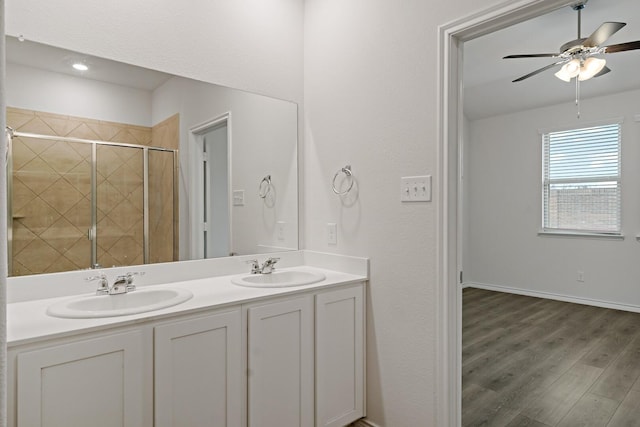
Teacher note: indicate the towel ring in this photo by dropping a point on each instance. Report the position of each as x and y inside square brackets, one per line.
[264, 187]
[347, 172]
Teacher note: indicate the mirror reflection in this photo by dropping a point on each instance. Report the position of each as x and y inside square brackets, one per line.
[116, 165]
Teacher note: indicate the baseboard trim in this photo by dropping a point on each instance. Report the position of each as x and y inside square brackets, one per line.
[364, 423]
[557, 297]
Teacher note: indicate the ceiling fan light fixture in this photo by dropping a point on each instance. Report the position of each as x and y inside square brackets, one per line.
[591, 67]
[569, 70]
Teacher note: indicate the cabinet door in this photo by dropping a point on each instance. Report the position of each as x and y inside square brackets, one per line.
[339, 357]
[280, 364]
[198, 372]
[97, 382]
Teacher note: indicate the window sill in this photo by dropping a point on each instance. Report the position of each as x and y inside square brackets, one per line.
[577, 234]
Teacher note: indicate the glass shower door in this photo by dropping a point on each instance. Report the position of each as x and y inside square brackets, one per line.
[50, 200]
[119, 205]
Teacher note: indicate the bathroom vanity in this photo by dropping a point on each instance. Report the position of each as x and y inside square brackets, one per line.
[229, 356]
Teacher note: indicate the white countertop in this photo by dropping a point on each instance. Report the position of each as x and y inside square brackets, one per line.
[28, 322]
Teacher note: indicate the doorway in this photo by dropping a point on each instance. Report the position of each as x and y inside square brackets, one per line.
[211, 197]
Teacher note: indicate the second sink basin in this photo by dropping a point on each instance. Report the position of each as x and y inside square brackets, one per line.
[278, 279]
[139, 301]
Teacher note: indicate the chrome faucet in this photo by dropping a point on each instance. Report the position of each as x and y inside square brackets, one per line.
[103, 284]
[124, 284]
[268, 266]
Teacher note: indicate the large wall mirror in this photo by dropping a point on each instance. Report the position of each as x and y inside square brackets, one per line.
[116, 165]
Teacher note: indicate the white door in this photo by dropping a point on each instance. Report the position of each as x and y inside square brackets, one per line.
[280, 364]
[198, 372]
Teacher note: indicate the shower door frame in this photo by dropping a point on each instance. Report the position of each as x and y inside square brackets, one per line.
[92, 231]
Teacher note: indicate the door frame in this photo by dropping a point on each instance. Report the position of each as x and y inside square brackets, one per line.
[451, 38]
[196, 203]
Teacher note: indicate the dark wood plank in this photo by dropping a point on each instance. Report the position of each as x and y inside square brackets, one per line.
[628, 413]
[535, 362]
[590, 411]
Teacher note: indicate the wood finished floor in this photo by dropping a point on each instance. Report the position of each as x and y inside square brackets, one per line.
[541, 363]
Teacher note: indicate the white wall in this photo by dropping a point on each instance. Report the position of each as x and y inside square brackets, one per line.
[263, 142]
[371, 102]
[40, 90]
[219, 41]
[505, 207]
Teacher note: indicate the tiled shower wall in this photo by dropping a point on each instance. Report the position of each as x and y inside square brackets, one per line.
[52, 193]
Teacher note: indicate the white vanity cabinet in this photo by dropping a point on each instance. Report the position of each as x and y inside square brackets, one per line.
[292, 360]
[198, 371]
[340, 359]
[280, 363]
[98, 382]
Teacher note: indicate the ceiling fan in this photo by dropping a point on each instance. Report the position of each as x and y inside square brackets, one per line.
[578, 57]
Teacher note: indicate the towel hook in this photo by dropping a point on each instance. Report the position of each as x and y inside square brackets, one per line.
[264, 187]
[347, 172]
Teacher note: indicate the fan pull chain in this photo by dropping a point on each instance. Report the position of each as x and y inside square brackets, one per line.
[578, 95]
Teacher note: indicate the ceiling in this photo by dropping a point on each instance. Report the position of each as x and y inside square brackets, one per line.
[58, 60]
[488, 90]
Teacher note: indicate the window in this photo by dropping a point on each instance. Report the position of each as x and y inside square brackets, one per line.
[581, 180]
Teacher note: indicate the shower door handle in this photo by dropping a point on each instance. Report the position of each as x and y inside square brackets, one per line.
[90, 233]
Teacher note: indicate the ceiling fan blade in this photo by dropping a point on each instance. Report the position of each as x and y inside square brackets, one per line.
[622, 47]
[538, 71]
[532, 55]
[603, 32]
[602, 72]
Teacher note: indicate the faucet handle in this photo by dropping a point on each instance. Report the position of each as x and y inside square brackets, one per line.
[130, 275]
[103, 287]
[255, 266]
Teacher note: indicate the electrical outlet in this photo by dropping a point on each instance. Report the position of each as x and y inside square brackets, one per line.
[238, 197]
[580, 276]
[280, 225]
[332, 233]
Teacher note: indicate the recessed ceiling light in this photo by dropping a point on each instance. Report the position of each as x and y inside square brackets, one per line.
[80, 66]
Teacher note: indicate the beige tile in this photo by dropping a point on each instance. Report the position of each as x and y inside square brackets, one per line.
[37, 145]
[62, 235]
[105, 130]
[60, 125]
[37, 256]
[22, 196]
[108, 233]
[84, 132]
[19, 269]
[124, 136]
[126, 251]
[108, 197]
[37, 175]
[141, 136]
[108, 160]
[80, 215]
[38, 216]
[62, 196]
[126, 215]
[62, 263]
[21, 154]
[80, 253]
[22, 236]
[61, 157]
[16, 118]
[105, 259]
[36, 125]
[80, 177]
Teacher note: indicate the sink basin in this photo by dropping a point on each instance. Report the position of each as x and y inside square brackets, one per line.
[138, 301]
[278, 279]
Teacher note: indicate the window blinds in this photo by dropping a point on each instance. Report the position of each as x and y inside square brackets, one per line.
[581, 180]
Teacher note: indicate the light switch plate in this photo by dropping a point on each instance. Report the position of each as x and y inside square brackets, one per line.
[238, 197]
[415, 188]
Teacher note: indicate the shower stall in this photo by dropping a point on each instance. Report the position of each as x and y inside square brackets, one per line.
[76, 203]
